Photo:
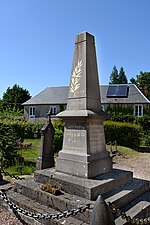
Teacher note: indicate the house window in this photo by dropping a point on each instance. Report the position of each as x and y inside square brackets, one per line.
[53, 110]
[138, 110]
[32, 111]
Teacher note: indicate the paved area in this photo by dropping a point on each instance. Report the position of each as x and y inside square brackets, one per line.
[7, 218]
[139, 165]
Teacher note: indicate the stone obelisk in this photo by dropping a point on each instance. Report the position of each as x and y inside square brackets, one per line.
[84, 153]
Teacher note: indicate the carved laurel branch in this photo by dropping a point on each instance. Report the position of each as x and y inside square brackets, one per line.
[75, 78]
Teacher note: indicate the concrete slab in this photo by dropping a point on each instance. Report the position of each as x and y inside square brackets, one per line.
[36, 207]
[124, 194]
[86, 188]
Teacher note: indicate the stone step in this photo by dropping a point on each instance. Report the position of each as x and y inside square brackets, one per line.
[138, 208]
[31, 189]
[36, 207]
[86, 188]
[124, 194]
[119, 196]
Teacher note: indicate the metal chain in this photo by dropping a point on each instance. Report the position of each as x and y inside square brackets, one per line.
[73, 212]
[51, 216]
[123, 215]
[11, 175]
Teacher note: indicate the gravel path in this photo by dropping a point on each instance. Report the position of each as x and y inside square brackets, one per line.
[140, 166]
[8, 218]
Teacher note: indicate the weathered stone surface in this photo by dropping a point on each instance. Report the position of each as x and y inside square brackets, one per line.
[46, 158]
[122, 195]
[86, 188]
[84, 153]
[36, 207]
[101, 214]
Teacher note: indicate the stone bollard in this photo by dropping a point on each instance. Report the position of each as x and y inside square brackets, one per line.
[101, 214]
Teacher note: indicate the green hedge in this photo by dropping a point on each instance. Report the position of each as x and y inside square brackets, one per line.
[25, 129]
[31, 130]
[58, 136]
[125, 134]
[144, 121]
[8, 146]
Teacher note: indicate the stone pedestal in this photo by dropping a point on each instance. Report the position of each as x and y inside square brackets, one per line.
[84, 153]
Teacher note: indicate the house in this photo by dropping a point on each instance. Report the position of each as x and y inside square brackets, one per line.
[54, 99]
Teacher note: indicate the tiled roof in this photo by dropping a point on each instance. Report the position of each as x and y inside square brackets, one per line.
[59, 95]
[50, 95]
[134, 96]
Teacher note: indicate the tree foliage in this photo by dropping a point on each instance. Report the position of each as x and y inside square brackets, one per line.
[8, 146]
[143, 83]
[122, 77]
[118, 77]
[114, 77]
[15, 96]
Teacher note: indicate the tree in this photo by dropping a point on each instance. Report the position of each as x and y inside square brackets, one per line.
[15, 96]
[143, 83]
[122, 77]
[114, 77]
[118, 78]
[133, 81]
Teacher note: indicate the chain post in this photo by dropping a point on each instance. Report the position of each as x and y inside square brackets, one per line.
[101, 213]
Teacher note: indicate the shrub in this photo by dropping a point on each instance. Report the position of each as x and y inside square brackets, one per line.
[119, 110]
[125, 134]
[11, 114]
[123, 118]
[58, 136]
[31, 130]
[144, 121]
[24, 129]
[8, 146]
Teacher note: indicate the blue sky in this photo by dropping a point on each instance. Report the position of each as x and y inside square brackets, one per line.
[37, 39]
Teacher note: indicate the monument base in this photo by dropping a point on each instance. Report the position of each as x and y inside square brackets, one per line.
[85, 188]
[84, 152]
[86, 166]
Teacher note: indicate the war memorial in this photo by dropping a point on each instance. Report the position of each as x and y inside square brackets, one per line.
[83, 171]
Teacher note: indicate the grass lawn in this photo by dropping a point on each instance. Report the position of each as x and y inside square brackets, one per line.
[31, 154]
[124, 151]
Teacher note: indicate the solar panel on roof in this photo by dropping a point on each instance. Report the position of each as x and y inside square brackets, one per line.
[119, 91]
